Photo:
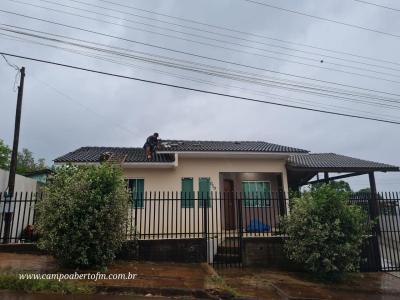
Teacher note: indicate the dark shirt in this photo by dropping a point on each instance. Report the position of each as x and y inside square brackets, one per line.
[152, 141]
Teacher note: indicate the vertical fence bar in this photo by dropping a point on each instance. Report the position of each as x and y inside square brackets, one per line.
[24, 211]
[168, 199]
[176, 214]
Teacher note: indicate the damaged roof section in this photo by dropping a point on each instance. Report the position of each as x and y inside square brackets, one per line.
[226, 146]
[113, 154]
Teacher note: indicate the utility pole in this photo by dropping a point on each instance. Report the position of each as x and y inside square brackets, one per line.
[9, 210]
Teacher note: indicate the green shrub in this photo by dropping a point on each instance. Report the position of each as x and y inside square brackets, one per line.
[82, 217]
[325, 233]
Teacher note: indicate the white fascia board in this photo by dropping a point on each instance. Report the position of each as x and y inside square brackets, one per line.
[145, 165]
[231, 154]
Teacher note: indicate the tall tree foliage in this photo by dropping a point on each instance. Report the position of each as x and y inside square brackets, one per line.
[25, 160]
[5, 153]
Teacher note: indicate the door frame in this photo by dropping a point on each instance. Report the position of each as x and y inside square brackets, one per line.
[229, 206]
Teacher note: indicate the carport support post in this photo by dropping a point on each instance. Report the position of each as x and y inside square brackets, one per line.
[326, 177]
[374, 215]
[373, 200]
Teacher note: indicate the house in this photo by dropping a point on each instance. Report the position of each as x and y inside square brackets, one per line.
[41, 176]
[261, 173]
[221, 166]
[216, 196]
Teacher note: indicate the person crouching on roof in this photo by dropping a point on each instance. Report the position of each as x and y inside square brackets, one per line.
[151, 145]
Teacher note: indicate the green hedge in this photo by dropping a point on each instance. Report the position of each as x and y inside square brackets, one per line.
[82, 217]
[325, 233]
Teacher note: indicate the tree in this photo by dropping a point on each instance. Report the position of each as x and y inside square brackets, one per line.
[25, 161]
[325, 233]
[339, 186]
[364, 191]
[5, 155]
[82, 217]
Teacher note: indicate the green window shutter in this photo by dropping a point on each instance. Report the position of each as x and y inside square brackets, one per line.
[137, 188]
[204, 191]
[246, 193]
[187, 194]
[265, 194]
[256, 193]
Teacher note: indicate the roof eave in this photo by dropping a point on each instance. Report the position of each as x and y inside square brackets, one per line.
[233, 154]
[343, 169]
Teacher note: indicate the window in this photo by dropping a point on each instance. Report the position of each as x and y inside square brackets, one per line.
[136, 186]
[187, 194]
[204, 191]
[256, 193]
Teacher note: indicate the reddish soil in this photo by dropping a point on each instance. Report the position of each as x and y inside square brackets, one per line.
[270, 284]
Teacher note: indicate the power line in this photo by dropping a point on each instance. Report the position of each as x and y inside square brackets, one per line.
[72, 100]
[17, 74]
[319, 66]
[199, 90]
[246, 33]
[235, 50]
[274, 96]
[378, 5]
[213, 71]
[322, 18]
[193, 54]
[320, 55]
[14, 66]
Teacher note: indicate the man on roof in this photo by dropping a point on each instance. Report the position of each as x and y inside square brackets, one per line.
[151, 145]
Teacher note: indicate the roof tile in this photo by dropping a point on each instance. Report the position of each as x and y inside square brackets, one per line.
[332, 161]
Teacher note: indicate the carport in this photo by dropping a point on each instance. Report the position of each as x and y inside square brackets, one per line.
[383, 243]
[304, 167]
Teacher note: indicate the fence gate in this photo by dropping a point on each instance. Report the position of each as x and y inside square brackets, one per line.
[388, 231]
[382, 250]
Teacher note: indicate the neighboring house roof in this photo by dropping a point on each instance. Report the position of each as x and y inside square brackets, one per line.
[226, 146]
[39, 172]
[127, 155]
[334, 162]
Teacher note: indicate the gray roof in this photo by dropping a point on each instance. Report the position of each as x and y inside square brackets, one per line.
[92, 154]
[335, 162]
[226, 146]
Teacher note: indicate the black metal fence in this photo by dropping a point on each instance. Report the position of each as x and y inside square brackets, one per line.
[221, 220]
[383, 210]
[17, 217]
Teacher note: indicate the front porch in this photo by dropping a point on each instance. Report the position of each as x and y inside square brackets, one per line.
[252, 199]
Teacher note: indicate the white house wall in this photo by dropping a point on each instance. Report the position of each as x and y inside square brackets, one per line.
[169, 216]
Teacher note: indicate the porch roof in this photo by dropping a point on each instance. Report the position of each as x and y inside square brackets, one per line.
[302, 168]
[331, 162]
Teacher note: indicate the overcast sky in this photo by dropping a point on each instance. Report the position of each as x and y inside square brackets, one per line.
[65, 109]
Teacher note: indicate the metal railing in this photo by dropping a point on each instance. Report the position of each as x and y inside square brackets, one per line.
[221, 220]
[20, 210]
